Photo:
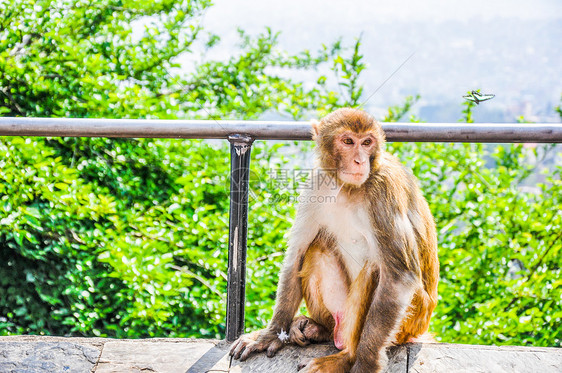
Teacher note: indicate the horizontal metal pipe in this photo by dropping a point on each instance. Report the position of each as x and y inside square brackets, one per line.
[274, 130]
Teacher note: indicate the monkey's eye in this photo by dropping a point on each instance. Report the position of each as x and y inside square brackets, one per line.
[348, 141]
[367, 142]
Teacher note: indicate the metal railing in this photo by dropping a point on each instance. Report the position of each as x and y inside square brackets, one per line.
[241, 135]
[273, 130]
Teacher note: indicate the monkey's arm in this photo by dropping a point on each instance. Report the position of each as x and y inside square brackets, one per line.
[289, 292]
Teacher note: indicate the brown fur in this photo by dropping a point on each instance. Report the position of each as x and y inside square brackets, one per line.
[393, 296]
[323, 244]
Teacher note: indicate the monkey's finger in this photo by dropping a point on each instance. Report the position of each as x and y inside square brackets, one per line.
[239, 349]
[251, 348]
[275, 346]
[234, 345]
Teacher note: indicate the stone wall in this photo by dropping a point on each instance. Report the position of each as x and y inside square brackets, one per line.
[59, 354]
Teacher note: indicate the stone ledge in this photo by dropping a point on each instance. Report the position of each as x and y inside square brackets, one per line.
[60, 354]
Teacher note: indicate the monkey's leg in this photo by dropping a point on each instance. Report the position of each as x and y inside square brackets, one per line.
[325, 287]
[417, 322]
[357, 306]
[389, 306]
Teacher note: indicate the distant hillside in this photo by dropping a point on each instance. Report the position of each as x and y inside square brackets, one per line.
[518, 60]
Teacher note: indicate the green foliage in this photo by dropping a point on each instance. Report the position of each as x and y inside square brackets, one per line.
[499, 231]
[77, 59]
[121, 237]
[73, 59]
[349, 69]
[499, 241]
[128, 238]
[395, 113]
[43, 207]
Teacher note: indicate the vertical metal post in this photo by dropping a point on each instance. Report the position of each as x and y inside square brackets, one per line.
[240, 149]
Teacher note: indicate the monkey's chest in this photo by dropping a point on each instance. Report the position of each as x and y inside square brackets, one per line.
[350, 225]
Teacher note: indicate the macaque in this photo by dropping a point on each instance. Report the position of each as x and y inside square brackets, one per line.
[362, 253]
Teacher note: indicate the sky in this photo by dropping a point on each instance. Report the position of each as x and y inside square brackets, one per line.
[306, 24]
[302, 13]
[297, 19]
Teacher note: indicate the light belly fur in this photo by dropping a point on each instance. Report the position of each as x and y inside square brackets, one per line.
[350, 224]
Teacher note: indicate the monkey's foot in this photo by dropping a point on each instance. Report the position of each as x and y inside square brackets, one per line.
[258, 341]
[337, 363]
[305, 331]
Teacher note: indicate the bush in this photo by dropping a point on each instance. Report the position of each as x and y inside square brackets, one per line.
[499, 241]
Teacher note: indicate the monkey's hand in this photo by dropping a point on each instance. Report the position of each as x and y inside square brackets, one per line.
[258, 341]
[337, 363]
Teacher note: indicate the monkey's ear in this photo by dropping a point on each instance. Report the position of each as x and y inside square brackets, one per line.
[315, 128]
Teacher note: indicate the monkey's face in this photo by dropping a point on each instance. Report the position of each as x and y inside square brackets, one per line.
[349, 144]
[354, 156]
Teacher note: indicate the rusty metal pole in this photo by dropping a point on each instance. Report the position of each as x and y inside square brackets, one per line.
[240, 149]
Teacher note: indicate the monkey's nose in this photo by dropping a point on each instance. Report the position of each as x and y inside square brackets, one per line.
[359, 162]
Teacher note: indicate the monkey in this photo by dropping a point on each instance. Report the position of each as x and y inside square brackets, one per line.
[362, 253]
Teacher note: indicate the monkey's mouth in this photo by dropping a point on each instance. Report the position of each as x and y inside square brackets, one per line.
[354, 174]
[353, 178]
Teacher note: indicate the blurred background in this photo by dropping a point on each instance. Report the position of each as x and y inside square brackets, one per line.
[509, 48]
